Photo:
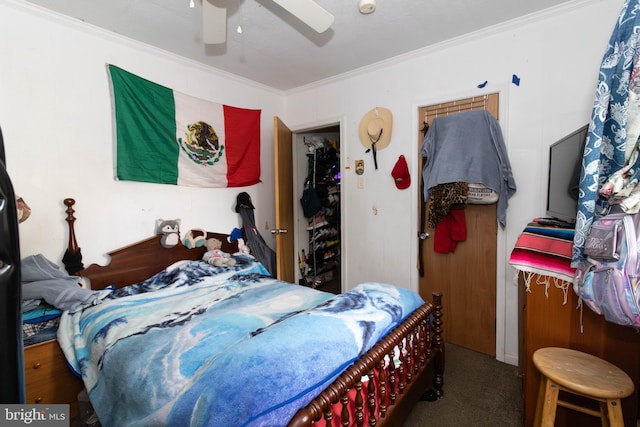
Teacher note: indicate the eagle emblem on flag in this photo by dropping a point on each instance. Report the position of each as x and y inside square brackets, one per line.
[201, 144]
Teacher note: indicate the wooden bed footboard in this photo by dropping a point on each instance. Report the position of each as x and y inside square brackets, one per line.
[388, 398]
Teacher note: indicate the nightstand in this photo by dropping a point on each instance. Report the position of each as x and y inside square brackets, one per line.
[48, 379]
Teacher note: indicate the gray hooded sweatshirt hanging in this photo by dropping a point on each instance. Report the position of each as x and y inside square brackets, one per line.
[256, 243]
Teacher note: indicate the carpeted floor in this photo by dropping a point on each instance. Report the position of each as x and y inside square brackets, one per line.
[478, 391]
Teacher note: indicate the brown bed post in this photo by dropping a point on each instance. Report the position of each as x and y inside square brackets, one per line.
[72, 258]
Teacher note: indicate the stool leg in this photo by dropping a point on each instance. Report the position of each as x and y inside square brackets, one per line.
[604, 414]
[538, 414]
[614, 409]
[549, 403]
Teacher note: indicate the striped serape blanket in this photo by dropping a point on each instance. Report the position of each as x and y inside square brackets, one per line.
[546, 251]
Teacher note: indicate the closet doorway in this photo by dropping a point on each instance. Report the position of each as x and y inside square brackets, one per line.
[466, 277]
[308, 248]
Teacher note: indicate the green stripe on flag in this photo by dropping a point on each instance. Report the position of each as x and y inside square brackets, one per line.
[145, 129]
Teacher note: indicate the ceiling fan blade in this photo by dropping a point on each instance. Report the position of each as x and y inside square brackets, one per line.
[309, 12]
[214, 21]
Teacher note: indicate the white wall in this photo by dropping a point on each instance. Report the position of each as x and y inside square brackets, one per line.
[56, 118]
[557, 57]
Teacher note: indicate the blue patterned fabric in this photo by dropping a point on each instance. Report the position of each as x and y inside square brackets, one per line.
[607, 138]
[42, 313]
[228, 349]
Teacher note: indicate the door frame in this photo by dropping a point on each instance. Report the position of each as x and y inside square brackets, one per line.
[298, 186]
[502, 275]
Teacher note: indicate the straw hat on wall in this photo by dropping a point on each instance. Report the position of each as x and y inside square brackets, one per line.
[375, 127]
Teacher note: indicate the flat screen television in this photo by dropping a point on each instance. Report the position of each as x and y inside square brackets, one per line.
[565, 160]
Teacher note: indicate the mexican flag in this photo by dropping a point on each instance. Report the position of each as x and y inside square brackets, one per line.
[167, 137]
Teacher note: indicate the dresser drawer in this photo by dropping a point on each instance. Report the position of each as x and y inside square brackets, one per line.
[48, 379]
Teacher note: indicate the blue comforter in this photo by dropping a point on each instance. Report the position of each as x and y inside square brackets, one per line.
[198, 345]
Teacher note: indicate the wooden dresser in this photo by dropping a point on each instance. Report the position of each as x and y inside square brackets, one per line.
[48, 379]
[547, 322]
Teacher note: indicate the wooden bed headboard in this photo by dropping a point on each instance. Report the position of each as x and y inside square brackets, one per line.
[140, 260]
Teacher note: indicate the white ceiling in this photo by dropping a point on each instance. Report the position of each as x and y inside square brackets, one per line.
[279, 51]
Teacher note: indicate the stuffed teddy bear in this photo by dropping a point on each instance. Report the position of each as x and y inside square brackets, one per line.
[215, 255]
[170, 230]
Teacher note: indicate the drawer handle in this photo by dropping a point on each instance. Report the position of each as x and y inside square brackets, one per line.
[38, 399]
[36, 365]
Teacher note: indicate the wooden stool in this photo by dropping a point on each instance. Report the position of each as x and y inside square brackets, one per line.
[581, 374]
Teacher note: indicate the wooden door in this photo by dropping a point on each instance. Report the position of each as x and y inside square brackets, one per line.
[283, 166]
[466, 277]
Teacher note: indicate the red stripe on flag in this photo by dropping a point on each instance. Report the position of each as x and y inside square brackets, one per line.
[242, 146]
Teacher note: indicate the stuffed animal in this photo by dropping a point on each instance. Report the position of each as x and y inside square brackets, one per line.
[215, 255]
[242, 248]
[236, 236]
[170, 230]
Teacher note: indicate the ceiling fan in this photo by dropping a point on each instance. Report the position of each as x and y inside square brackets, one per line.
[214, 17]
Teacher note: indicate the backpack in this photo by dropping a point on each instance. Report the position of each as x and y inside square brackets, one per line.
[610, 282]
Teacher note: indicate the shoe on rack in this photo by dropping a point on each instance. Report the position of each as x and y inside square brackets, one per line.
[329, 254]
[332, 199]
[317, 235]
[324, 233]
[330, 243]
[318, 220]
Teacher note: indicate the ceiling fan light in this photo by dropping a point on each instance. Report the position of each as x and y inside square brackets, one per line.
[309, 12]
[214, 23]
[367, 6]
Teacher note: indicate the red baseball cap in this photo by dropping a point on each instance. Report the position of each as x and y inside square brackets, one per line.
[400, 174]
